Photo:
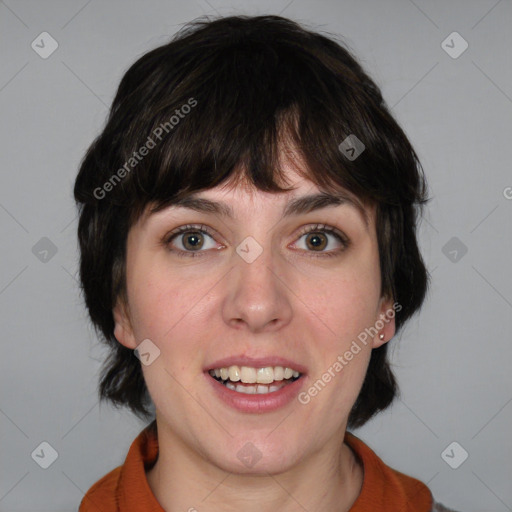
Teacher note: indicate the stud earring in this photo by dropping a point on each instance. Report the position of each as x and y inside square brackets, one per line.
[381, 336]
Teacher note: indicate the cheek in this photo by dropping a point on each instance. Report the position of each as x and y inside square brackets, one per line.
[345, 302]
[343, 350]
[168, 306]
[344, 308]
[155, 299]
[165, 310]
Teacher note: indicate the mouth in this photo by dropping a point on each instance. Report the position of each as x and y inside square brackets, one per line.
[256, 385]
[253, 380]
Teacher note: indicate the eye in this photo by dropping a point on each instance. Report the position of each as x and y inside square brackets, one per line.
[187, 240]
[319, 237]
[193, 240]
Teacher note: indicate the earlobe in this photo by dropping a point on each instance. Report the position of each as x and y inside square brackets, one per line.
[385, 323]
[123, 331]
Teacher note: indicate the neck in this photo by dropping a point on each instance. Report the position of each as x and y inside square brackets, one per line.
[182, 479]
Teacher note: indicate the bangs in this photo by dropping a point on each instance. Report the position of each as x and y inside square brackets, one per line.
[231, 114]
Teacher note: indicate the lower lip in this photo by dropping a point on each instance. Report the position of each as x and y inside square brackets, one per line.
[256, 403]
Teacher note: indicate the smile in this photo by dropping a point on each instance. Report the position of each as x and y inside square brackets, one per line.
[252, 381]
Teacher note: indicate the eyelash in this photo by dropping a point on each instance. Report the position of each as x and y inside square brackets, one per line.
[317, 228]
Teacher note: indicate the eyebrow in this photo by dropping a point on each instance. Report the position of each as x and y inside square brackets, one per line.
[297, 206]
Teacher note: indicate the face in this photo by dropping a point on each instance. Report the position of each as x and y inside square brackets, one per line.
[263, 288]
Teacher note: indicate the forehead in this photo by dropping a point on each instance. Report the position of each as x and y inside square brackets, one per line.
[305, 197]
[238, 193]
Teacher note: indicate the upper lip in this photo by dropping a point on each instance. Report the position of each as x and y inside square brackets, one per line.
[259, 362]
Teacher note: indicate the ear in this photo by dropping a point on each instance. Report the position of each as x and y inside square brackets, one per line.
[123, 328]
[385, 322]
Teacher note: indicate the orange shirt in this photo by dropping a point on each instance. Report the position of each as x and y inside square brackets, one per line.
[126, 489]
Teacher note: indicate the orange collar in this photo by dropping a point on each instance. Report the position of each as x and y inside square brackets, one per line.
[126, 489]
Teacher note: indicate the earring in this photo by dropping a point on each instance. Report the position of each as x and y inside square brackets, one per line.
[381, 336]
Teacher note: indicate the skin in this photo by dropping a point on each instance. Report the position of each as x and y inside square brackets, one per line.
[287, 302]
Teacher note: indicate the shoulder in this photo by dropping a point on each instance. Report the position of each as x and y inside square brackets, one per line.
[102, 495]
[385, 488]
[126, 485]
[438, 507]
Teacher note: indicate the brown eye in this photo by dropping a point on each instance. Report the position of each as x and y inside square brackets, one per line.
[190, 241]
[316, 241]
[323, 240]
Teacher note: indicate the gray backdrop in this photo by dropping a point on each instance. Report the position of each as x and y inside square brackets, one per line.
[452, 361]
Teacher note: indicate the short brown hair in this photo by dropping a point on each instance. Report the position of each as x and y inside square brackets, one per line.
[246, 81]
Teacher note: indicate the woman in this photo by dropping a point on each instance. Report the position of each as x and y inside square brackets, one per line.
[247, 231]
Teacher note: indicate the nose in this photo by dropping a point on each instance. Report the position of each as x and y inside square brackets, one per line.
[258, 297]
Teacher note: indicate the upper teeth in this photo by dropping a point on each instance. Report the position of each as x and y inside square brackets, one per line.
[250, 375]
